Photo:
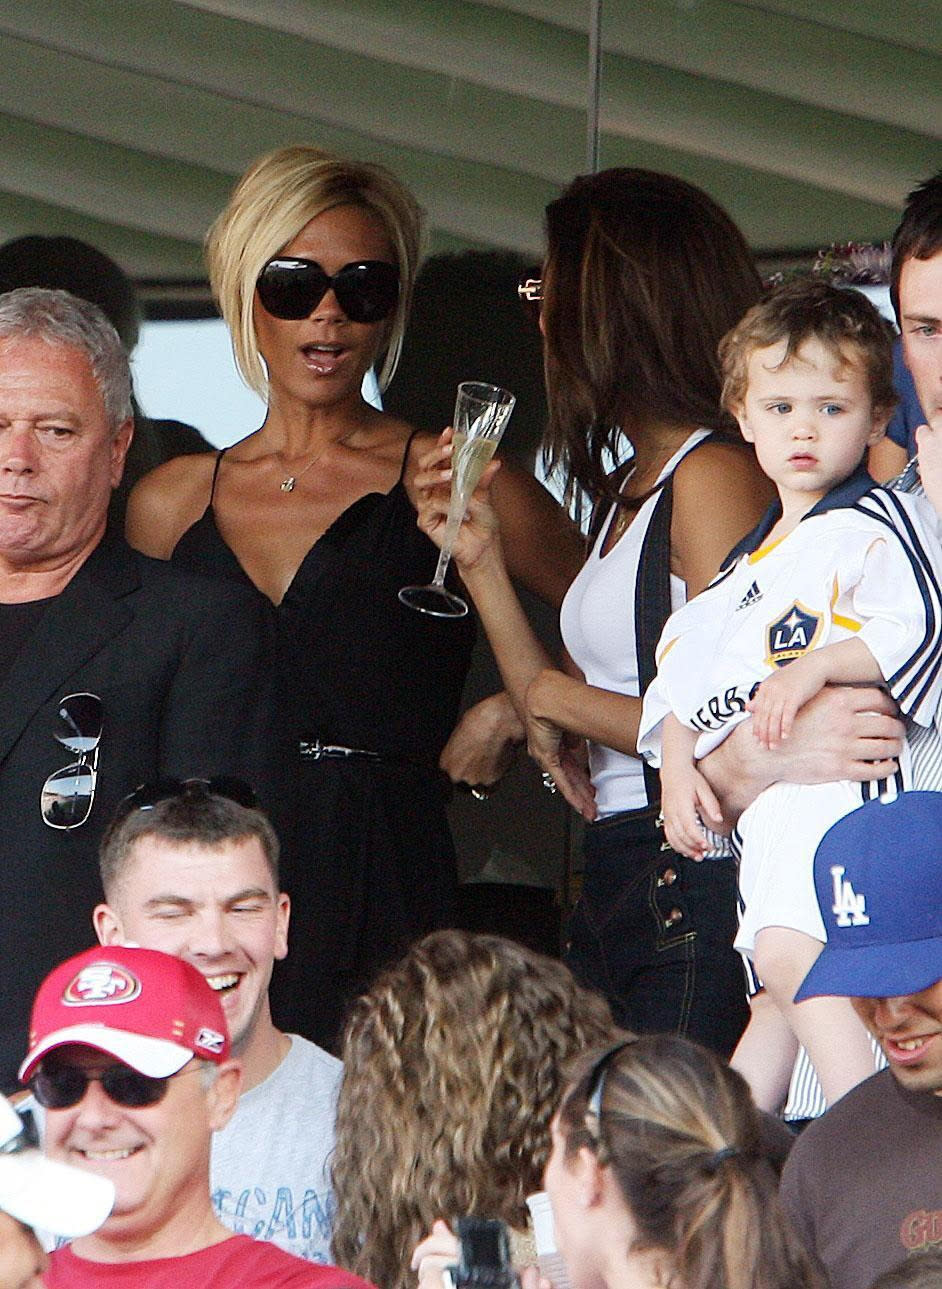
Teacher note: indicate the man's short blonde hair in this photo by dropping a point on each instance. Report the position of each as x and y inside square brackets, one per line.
[277, 196]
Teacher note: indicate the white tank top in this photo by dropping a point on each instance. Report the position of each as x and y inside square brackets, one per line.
[598, 630]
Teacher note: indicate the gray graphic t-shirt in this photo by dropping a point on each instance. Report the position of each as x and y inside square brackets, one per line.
[270, 1173]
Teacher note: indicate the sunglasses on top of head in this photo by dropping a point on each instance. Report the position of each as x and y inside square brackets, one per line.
[290, 288]
[195, 791]
[530, 293]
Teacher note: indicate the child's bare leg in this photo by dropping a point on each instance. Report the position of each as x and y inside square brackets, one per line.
[765, 1055]
[828, 1028]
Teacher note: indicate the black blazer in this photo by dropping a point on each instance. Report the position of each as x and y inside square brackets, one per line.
[184, 668]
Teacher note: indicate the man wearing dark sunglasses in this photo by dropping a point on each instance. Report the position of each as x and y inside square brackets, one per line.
[192, 869]
[130, 1058]
[114, 669]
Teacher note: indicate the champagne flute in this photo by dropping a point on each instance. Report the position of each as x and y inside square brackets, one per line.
[481, 413]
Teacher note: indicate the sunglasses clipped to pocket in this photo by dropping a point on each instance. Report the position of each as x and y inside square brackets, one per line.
[290, 288]
[68, 794]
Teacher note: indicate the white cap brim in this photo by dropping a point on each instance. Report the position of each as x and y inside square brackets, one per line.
[52, 1196]
[156, 1057]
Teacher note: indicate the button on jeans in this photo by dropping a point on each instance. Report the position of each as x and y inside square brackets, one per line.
[653, 931]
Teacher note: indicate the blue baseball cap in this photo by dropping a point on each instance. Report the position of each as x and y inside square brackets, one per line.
[878, 877]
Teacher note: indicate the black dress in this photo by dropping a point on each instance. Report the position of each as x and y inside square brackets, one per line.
[374, 866]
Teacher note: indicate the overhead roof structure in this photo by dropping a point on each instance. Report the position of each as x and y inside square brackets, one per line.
[126, 122]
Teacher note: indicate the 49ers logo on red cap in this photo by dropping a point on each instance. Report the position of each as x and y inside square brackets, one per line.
[101, 983]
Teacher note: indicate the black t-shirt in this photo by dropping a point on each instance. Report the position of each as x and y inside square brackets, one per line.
[16, 623]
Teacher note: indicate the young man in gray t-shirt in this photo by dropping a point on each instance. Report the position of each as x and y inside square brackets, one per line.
[188, 869]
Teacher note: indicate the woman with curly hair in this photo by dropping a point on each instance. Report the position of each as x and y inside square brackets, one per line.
[452, 1072]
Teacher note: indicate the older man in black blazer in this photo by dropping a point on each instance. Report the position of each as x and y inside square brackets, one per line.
[114, 669]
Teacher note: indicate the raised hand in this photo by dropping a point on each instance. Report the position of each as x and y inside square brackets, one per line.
[437, 1251]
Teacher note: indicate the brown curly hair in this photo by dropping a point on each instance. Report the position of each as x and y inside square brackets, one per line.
[453, 1068]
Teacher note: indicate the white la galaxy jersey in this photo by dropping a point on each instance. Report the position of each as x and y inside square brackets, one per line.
[863, 561]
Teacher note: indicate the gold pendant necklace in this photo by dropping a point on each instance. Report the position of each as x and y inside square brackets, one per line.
[288, 482]
[622, 520]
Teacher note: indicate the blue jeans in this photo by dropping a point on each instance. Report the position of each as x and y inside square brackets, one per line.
[653, 931]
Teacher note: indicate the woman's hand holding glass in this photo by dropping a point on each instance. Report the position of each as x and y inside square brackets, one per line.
[481, 415]
[478, 538]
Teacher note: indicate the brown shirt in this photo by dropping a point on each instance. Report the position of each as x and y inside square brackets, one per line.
[863, 1184]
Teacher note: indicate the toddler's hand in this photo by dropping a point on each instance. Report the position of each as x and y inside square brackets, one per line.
[685, 807]
[780, 697]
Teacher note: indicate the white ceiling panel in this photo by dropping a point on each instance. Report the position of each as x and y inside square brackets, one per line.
[128, 123]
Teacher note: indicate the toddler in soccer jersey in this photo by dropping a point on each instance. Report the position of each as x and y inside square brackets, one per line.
[839, 584]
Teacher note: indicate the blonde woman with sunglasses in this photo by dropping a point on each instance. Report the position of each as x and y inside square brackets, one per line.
[313, 263]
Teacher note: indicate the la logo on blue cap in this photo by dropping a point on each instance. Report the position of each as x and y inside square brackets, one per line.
[876, 876]
[849, 907]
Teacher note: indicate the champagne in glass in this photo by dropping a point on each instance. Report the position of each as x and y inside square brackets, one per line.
[481, 413]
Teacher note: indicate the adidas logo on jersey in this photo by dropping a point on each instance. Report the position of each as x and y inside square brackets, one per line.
[851, 908]
[752, 596]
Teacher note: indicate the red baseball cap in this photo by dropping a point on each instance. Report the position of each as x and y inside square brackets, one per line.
[152, 1011]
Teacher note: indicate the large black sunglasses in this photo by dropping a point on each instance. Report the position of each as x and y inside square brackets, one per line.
[290, 288]
[148, 795]
[68, 794]
[59, 1087]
